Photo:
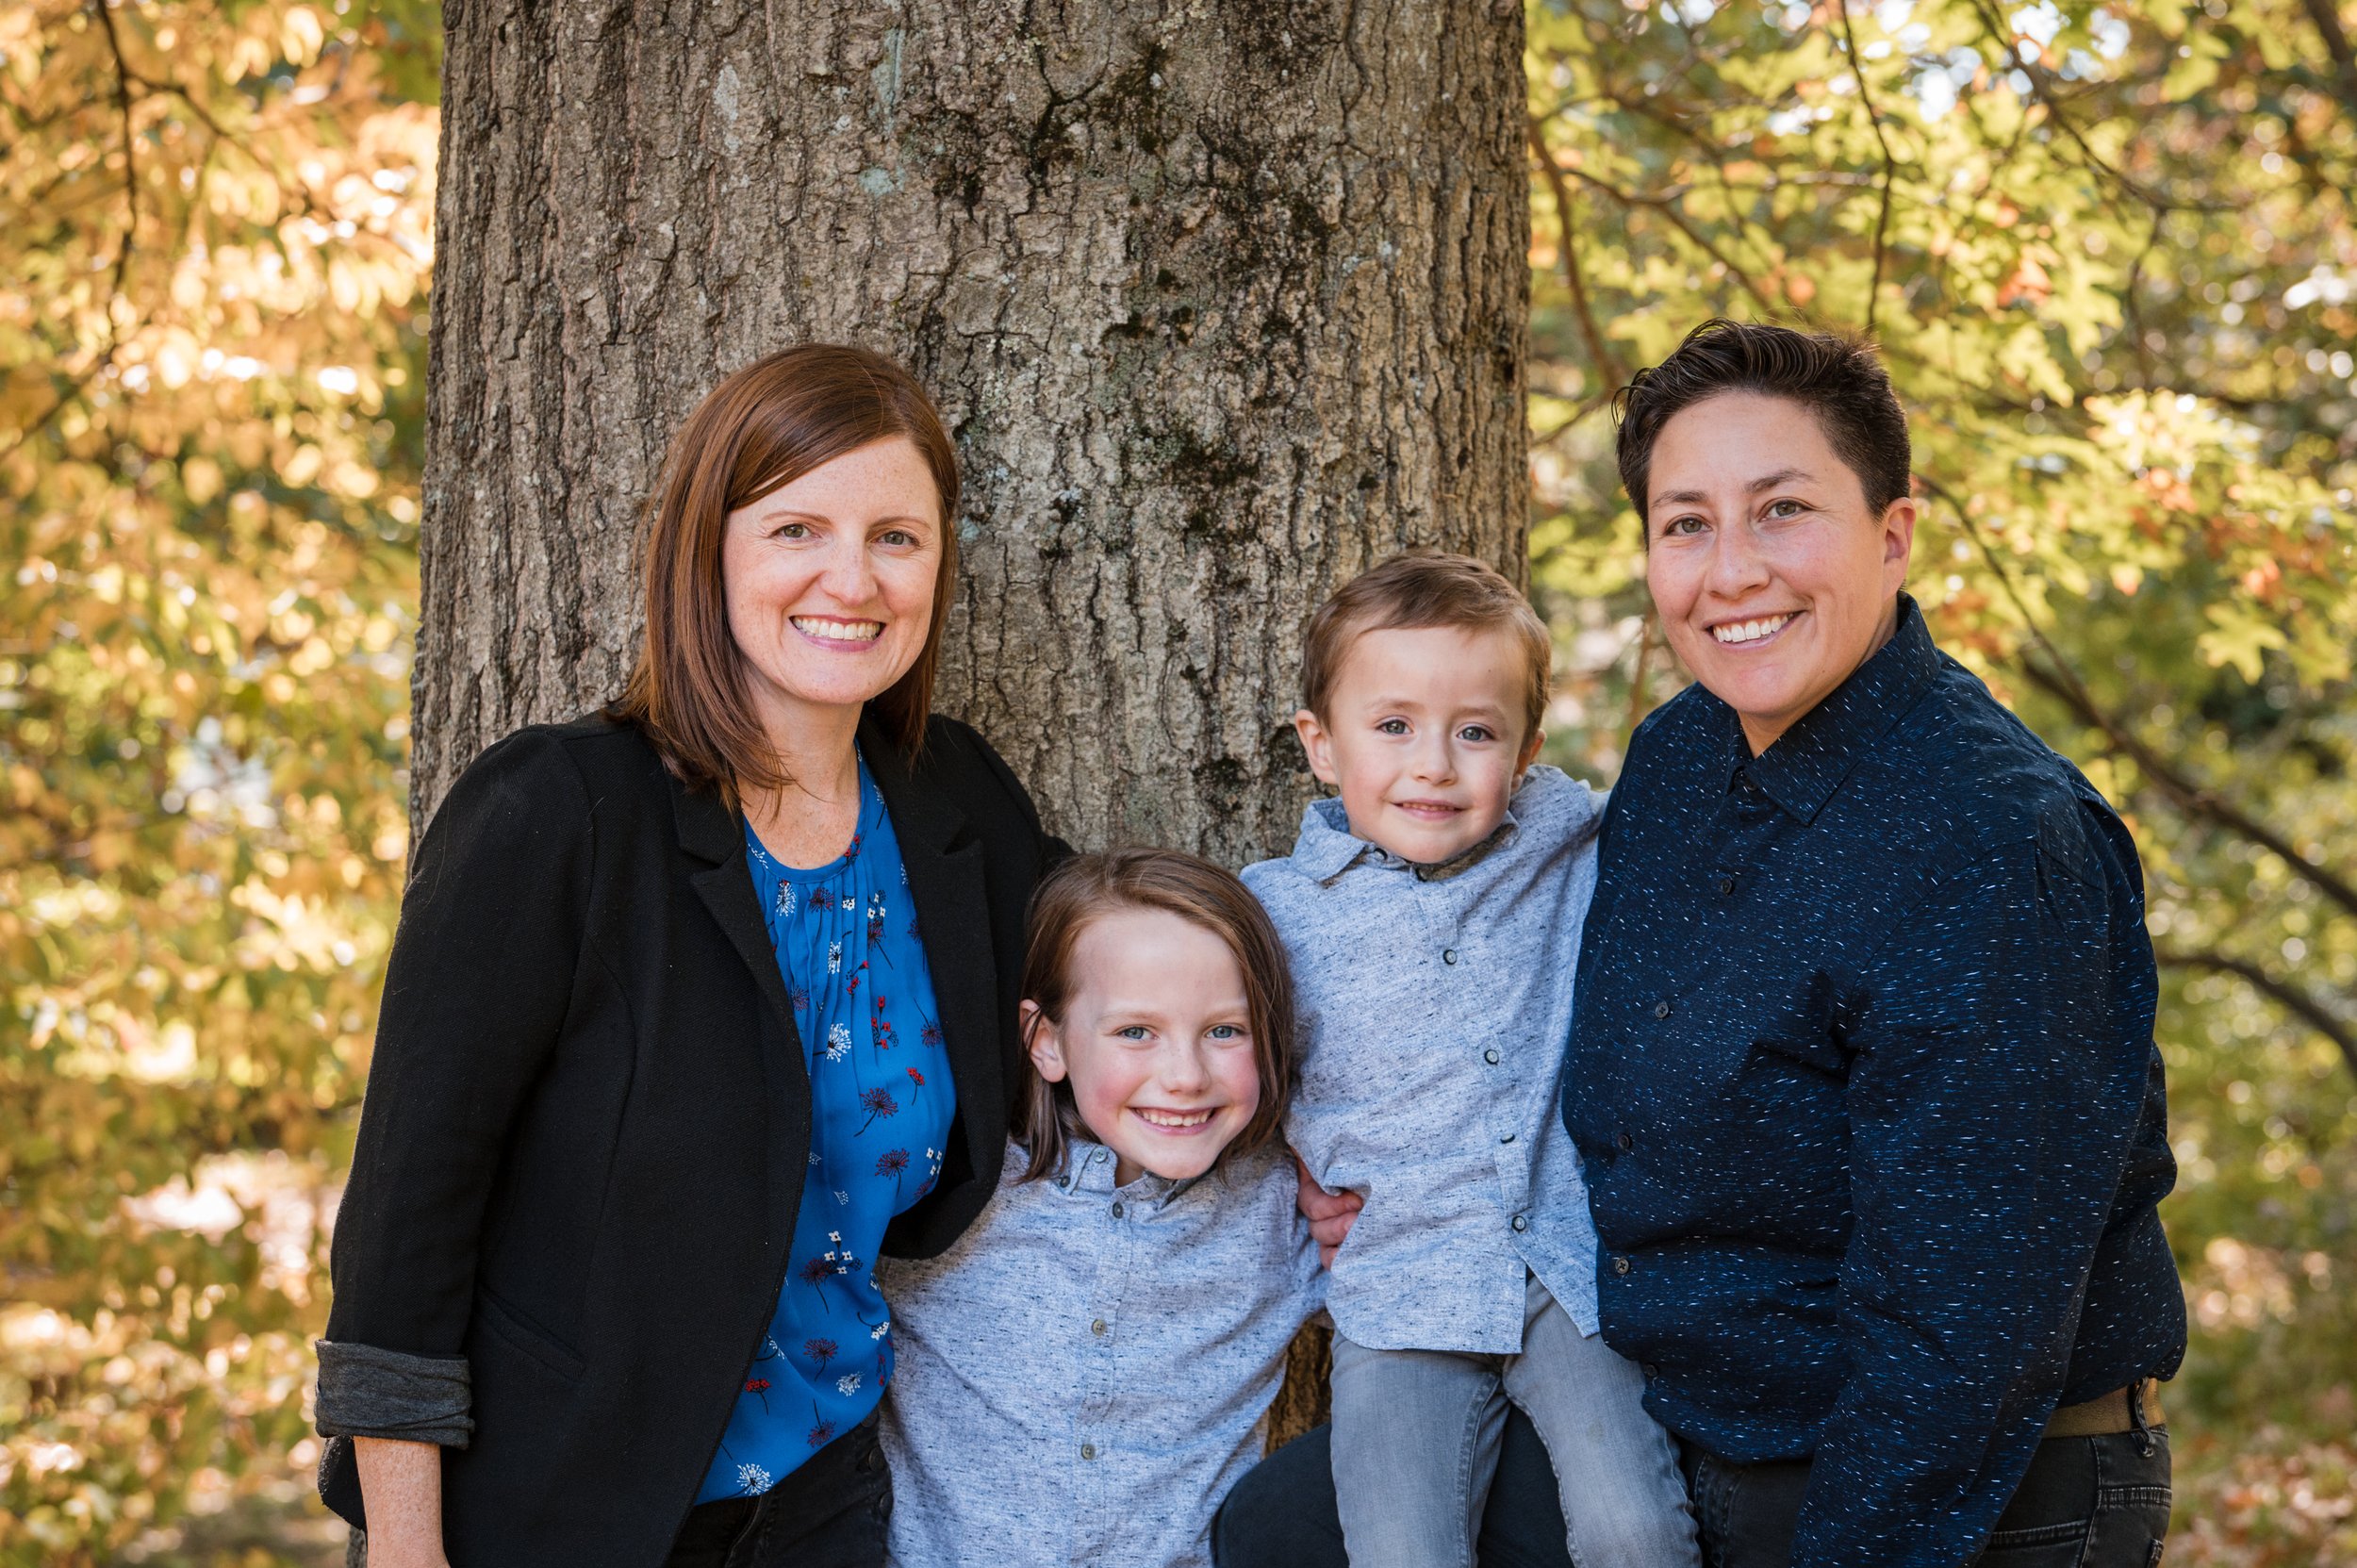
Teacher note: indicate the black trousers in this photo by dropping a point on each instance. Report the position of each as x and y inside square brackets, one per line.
[2087, 1502]
[830, 1513]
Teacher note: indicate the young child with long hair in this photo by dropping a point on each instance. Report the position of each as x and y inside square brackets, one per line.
[1432, 913]
[1083, 1376]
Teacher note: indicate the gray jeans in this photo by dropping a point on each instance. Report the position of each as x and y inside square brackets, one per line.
[1416, 1444]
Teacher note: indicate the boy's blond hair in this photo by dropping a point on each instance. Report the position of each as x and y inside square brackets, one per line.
[1420, 588]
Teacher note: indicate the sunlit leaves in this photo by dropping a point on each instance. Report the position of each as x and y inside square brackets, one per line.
[215, 253]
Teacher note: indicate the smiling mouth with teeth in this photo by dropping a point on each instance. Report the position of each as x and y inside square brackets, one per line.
[838, 631]
[1176, 1120]
[1734, 633]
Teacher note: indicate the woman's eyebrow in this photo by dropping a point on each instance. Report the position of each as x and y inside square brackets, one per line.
[782, 514]
[1765, 482]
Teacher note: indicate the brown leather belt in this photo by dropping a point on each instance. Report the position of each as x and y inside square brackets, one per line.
[2115, 1411]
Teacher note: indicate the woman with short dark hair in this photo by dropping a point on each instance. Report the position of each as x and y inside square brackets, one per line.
[696, 1005]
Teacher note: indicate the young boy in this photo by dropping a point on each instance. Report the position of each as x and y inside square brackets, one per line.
[1432, 916]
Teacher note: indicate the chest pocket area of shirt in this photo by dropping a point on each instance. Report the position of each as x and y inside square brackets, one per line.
[1795, 1022]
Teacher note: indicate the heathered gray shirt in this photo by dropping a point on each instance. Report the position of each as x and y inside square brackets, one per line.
[1083, 1376]
[1436, 1007]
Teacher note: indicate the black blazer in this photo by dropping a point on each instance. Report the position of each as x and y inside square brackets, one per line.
[588, 1117]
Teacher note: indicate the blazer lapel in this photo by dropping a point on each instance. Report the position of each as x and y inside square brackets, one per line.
[946, 879]
[709, 831]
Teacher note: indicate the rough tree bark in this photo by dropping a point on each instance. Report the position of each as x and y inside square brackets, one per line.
[1223, 298]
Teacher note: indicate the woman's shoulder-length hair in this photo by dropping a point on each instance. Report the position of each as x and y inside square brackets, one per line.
[767, 425]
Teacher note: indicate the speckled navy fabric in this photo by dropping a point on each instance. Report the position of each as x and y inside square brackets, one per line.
[1863, 1075]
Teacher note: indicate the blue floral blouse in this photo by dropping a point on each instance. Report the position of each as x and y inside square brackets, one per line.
[880, 1108]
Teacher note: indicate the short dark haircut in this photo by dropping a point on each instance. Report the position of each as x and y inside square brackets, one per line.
[1837, 379]
[1072, 897]
[1411, 591]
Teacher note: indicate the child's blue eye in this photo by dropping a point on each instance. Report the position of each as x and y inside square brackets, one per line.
[1392, 727]
[1476, 732]
[1224, 1031]
[1132, 1031]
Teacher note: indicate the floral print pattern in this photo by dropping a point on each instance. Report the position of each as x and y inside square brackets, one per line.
[863, 997]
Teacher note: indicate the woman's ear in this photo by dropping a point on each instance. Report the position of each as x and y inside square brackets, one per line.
[1040, 1039]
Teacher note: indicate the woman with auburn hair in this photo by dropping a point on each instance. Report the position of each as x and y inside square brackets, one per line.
[696, 1006]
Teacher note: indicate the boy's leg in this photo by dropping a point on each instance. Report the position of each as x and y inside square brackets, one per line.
[1416, 1442]
[1282, 1514]
[1625, 1503]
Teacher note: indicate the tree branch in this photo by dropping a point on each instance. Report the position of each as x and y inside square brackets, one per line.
[2328, 21]
[1873, 116]
[130, 160]
[1608, 372]
[2042, 87]
[2281, 992]
[1677, 221]
[2189, 794]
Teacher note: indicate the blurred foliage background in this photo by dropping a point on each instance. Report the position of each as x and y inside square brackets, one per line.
[2109, 249]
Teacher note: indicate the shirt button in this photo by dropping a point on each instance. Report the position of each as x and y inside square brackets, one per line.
[1661, 1010]
[1652, 1371]
[1098, 1327]
[1448, 955]
[1507, 1138]
[1088, 1450]
[1625, 1142]
[1118, 1211]
[1522, 1222]
[1620, 1265]
[1727, 885]
[1491, 1056]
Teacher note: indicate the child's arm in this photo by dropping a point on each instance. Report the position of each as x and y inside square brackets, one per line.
[1329, 1213]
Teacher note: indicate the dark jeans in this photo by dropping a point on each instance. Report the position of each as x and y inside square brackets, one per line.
[1282, 1514]
[2087, 1502]
[829, 1513]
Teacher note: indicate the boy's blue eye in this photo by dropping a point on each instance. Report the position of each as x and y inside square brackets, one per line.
[1392, 727]
[1132, 1031]
[1476, 732]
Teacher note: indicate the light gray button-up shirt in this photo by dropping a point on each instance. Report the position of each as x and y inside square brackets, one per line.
[1436, 1006]
[1084, 1375]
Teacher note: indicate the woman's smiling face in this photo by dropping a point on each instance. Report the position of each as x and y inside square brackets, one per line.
[829, 579]
[1772, 578]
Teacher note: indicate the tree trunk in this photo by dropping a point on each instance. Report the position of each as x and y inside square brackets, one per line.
[1222, 300]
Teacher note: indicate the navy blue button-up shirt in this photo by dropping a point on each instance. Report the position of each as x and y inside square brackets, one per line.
[1862, 1071]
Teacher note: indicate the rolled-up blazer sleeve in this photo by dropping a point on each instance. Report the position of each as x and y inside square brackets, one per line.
[477, 994]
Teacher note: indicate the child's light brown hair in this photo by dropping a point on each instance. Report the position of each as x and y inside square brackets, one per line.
[1415, 589]
[1089, 886]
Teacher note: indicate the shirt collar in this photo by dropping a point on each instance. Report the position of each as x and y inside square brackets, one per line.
[1089, 1170]
[1327, 847]
[1808, 762]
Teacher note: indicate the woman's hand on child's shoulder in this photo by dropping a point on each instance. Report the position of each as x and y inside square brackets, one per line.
[1329, 1213]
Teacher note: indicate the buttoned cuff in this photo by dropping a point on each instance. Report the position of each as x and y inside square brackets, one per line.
[365, 1391]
